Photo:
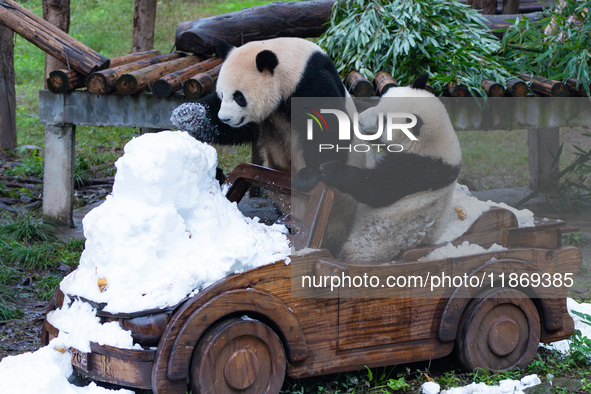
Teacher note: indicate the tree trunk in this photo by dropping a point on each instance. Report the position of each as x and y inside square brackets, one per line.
[144, 19]
[487, 6]
[56, 12]
[7, 93]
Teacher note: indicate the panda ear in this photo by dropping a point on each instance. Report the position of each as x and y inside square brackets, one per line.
[267, 60]
[421, 81]
[223, 48]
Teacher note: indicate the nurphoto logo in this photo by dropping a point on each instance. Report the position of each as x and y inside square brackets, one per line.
[394, 122]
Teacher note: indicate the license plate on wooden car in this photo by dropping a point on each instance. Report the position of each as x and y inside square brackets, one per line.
[79, 359]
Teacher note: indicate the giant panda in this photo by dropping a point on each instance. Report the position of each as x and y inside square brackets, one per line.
[405, 198]
[253, 96]
[252, 103]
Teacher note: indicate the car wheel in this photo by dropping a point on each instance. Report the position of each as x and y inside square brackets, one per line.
[499, 331]
[238, 355]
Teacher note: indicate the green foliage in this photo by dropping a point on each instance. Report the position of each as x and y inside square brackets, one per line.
[47, 285]
[406, 38]
[8, 308]
[570, 187]
[27, 228]
[29, 165]
[573, 239]
[563, 52]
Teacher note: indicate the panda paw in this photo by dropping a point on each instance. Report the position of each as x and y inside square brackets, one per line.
[334, 173]
[305, 179]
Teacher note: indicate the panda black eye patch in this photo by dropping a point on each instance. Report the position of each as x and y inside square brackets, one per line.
[239, 98]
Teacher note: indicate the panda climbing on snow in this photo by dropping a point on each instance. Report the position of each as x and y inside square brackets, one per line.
[404, 200]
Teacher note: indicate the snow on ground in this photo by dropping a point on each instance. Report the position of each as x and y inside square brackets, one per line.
[167, 229]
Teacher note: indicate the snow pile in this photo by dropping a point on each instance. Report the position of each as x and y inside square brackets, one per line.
[474, 208]
[79, 325]
[464, 249]
[45, 371]
[167, 229]
[504, 386]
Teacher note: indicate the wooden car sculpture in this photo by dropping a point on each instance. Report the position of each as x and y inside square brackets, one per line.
[247, 331]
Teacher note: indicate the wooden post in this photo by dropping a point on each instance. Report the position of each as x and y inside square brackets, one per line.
[138, 80]
[492, 88]
[103, 82]
[383, 82]
[202, 83]
[486, 6]
[358, 85]
[543, 145]
[7, 92]
[61, 81]
[510, 7]
[516, 88]
[144, 19]
[49, 38]
[174, 81]
[58, 193]
[56, 12]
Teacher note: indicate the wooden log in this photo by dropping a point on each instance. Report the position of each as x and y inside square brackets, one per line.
[202, 83]
[457, 90]
[545, 87]
[136, 81]
[132, 57]
[172, 82]
[571, 85]
[485, 6]
[61, 81]
[50, 39]
[510, 7]
[516, 88]
[289, 19]
[103, 82]
[492, 88]
[358, 85]
[383, 82]
[7, 90]
[57, 12]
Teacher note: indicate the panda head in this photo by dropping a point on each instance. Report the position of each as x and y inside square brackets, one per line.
[434, 131]
[257, 77]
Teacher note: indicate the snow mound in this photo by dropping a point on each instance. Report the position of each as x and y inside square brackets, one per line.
[166, 229]
[473, 208]
[44, 371]
[464, 249]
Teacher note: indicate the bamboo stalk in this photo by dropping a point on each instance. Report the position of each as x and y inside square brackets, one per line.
[49, 38]
[61, 81]
[132, 57]
[545, 87]
[202, 83]
[492, 88]
[383, 82]
[174, 81]
[516, 88]
[136, 81]
[358, 85]
[103, 82]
